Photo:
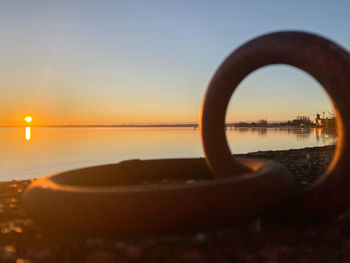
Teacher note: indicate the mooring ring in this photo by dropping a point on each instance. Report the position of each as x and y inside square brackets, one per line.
[100, 199]
[324, 60]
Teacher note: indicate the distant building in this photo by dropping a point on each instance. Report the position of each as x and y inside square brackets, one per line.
[318, 120]
[324, 122]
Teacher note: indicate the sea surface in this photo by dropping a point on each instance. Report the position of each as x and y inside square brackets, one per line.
[33, 152]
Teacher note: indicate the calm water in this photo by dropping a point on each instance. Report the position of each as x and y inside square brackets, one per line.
[34, 152]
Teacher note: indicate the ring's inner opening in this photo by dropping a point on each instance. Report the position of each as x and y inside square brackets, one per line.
[282, 113]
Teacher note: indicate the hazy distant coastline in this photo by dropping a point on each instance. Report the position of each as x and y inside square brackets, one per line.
[191, 125]
[298, 122]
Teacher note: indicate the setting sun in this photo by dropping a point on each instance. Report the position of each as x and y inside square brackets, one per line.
[28, 119]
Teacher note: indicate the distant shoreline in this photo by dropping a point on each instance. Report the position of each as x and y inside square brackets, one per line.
[110, 126]
[192, 125]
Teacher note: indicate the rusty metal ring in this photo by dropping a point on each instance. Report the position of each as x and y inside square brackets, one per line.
[324, 60]
[100, 199]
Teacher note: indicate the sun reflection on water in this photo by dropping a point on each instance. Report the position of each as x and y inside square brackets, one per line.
[28, 133]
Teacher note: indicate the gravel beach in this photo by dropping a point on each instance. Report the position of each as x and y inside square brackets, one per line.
[264, 239]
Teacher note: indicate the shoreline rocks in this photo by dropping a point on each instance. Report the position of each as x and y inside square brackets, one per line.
[307, 164]
[263, 239]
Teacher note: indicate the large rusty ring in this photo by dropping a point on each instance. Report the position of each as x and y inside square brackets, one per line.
[110, 198]
[329, 64]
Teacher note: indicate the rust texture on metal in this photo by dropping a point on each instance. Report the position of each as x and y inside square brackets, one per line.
[324, 60]
[111, 198]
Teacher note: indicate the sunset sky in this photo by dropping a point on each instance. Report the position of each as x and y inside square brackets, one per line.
[112, 62]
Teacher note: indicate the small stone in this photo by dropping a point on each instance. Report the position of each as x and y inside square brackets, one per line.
[190, 181]
[258, 225]
[95, 241]
[346, 248]
[8, 252]
[38, 251]
[17, 229]
[120, 245]
[5, 230]
[10, 248]
[133, 252]
[269, 255]
[44, 253]
[192, 255]
[200, 237]
[101, 256]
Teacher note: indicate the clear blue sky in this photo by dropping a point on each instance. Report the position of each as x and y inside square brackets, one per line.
[76, 62]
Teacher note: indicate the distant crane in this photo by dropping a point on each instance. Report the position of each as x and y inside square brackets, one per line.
[331, 114]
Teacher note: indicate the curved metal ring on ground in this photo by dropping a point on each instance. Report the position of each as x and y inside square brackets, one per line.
[112, 199]
[329, 64]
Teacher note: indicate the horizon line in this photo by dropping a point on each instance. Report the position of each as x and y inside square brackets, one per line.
[148, 124]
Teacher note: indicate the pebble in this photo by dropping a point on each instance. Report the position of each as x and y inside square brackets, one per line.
[100, 256]
[190, 181]
[258, 225]
[8, 252]
[201, 237]
[133, 252]
[192, 255]
[306, 164]
[120, 245]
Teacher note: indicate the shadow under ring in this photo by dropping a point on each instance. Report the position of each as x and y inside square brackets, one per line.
[324, 60]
